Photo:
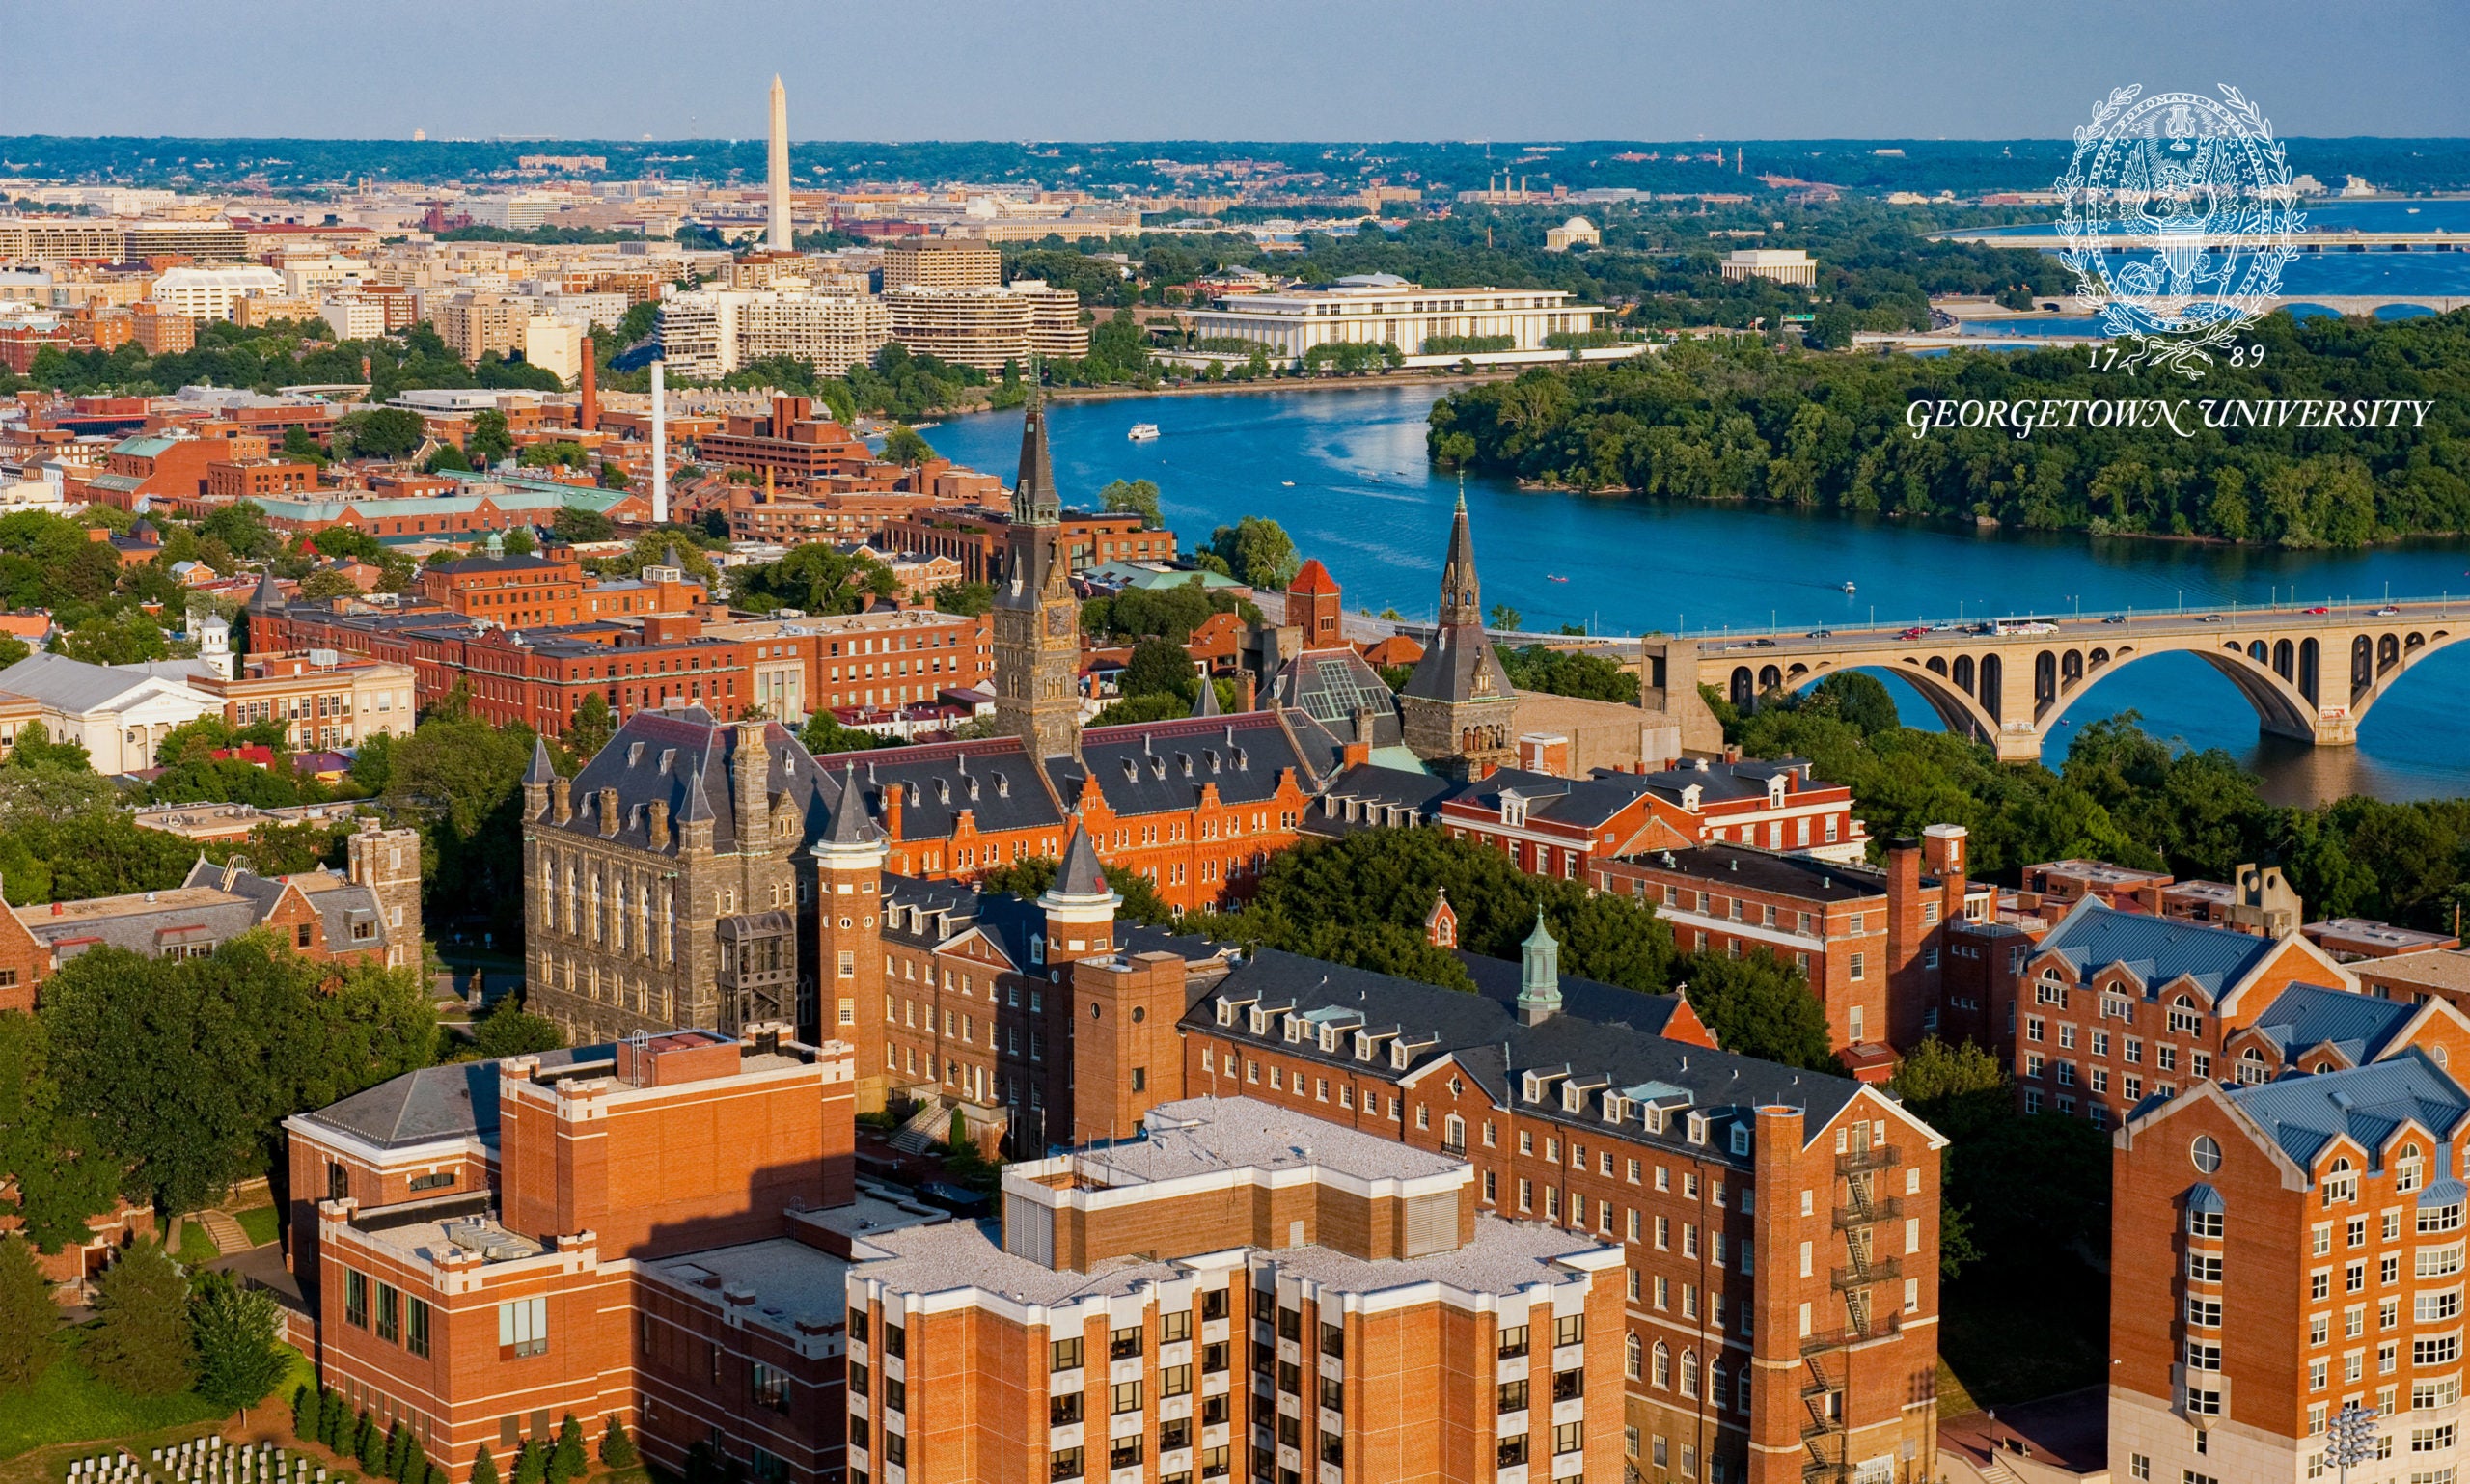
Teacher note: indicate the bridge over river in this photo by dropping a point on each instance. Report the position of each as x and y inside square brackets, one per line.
[2311, 673]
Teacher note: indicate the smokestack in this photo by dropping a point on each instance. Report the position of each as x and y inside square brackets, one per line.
[778, 239]
[660, 445]
[587, 411]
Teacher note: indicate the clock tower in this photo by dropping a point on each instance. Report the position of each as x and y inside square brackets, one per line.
[1036, 621]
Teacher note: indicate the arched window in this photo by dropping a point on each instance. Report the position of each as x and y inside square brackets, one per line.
[2341, 1183]
[1716, 1382]
[1689, 1373]
[2185, 1019]
[1663, 1375]
[1453, 1131]
[1632, 1355]
[2409, 1170]
[2251, 1066]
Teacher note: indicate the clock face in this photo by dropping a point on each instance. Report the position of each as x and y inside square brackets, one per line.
[1059, 621]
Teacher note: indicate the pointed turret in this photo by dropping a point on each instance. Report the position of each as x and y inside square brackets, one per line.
[1539, 976]
[268, 598]
[542, 773]
[1462, 594]
[698, 807]
[1080, 875]
[670, 558]
[1206, 703]
[851, 824]
[1034, 501]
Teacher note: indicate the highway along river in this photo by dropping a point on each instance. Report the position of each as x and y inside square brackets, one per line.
[1344, 472]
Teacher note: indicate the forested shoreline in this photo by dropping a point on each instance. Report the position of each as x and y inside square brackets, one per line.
[1743, 420]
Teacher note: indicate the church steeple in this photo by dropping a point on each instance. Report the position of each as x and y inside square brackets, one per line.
[1462, 593]
[1034, 502]
[1037, 621]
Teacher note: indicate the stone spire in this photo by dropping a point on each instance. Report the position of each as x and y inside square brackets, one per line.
[1539, 976]
[1462, 594]
[1034, 502]
[268, 598]
[542, 772]
[778, 237]
[1078, 892]
[1206, 703]
[852, 827]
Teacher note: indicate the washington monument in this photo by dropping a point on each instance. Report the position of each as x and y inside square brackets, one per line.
[777, 238]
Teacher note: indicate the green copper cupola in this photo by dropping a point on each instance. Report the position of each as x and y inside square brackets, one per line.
[1539, 977]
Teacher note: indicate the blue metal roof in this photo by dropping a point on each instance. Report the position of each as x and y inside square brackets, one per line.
[2358, 1025]
[2156, 951]
[2202, 1197]
[2365, 1103]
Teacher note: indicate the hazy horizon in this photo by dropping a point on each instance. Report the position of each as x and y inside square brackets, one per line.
[1272, 70]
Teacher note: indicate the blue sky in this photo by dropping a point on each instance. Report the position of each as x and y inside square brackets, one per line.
[1343, 69]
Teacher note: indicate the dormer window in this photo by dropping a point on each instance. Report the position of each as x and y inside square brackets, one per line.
[1533, 1087]
[1615, 1106]
[1329, 1038]
[1654, 1118]
[1572, 1099]
[1363, 1046]
[1698, 1128]
[1741, 1139]
[1398, 1055]
[2341, 1183]
[1294, 1029]
[1037, 947]
[2409, 1170]
[1257, 1020]
[1225, 1014]
[1513, 811]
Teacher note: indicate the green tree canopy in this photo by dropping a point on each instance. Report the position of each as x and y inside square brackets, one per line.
[29, 1319]
[1259, 551]
[141, 1343]
[240, 1357]
[1133, 497]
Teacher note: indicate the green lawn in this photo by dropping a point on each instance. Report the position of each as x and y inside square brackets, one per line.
[197, 1248]
[69, 1404]
[263, 1223]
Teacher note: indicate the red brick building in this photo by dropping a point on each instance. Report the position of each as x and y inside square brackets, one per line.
[644, 1231]
[2289, 1245]
[259, 479]
[1872, 944]
[1777, 806]
[370, 913]
[2111, 1007]
[1341, 1312]
[975, 539]
[544, 590]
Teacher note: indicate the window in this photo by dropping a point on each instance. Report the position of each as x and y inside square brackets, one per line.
[1569, 1330]
[771, 1387]
[1123, 1344]
[1513, 1342]
[1064, 1355]
[1125, 1396]
[2204, 1224]
[523, 1328]
[1064, 1464]
[390, 1313]
[1174, 1325]
[1063, 1409]
[356, 1298]
[1174, 1381]
[1511, 1395]
[1569, 1438]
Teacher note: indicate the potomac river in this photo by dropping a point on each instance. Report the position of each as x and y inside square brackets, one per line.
[1345, 473]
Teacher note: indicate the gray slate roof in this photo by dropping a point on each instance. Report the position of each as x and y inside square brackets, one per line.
[456, 1100]
[656, 756]
[72, 685]
[2366, 1104]
[2303, 1017]
[1605, 1032]
[2158, 951]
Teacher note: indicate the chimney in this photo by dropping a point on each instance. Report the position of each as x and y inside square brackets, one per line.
[659, 823]
[587, 410]
[1246, 698]
[560, 800]
[750, 773]
[607, 813]
[660, 445]
[1909, 991]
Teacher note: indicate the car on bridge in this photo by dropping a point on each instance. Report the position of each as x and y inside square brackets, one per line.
[2388, 611]
[1914, 632]
[2116, 618]
[2319, 609]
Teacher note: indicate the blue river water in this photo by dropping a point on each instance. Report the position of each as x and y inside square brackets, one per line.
[1345, 472]
[2372, 271]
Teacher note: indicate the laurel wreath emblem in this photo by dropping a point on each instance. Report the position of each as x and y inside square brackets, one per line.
[2180, 340]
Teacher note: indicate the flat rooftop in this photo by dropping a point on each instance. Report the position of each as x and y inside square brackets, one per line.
[1504, 1257]
[794, 1288]
[2369, 930]
[2447, 969]
[1208, 1135]
[2100, 873]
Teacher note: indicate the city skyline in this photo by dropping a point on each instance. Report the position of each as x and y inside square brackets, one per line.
[1112, 70]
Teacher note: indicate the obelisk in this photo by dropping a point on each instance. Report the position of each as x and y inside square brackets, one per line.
[777, 240]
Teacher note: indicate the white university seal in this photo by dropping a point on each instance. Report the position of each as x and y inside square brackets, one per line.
[2177, 214]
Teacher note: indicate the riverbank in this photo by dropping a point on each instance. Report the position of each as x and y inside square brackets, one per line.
[1379, 382]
